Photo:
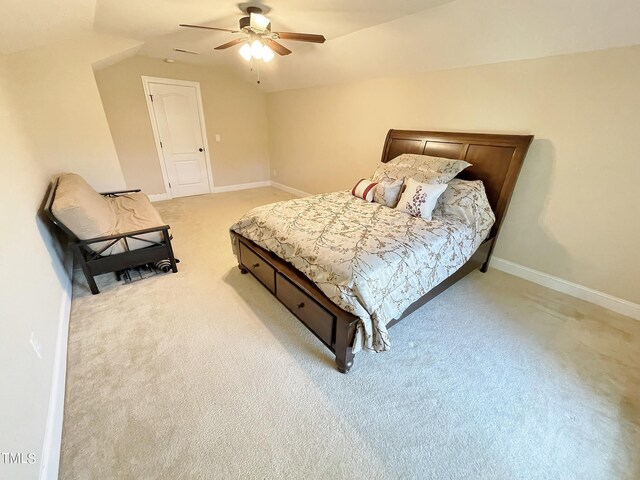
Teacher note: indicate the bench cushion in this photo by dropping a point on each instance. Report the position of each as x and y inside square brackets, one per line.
[90, 215]
[81, 209]
[134, 212]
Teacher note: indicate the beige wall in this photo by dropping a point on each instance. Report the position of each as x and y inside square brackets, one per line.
[234, 109]
[32, 278]
[51, 120]
[61, 111]
[575, 211]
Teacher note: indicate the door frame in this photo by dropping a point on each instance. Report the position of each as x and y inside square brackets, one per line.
[146, 80]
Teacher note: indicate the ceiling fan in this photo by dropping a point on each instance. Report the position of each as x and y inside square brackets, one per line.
[259, 42]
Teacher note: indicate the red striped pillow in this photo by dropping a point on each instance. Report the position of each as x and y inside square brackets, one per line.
[364, 189]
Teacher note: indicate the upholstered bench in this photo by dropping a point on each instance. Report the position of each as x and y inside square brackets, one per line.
[109, 232]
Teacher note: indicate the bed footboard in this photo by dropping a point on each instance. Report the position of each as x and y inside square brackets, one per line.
[333, 326]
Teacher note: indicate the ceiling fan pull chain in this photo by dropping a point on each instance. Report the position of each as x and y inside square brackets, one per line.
[258, 71]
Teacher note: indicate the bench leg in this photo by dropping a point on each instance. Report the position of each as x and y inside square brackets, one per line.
[172, 258]
[85, 269]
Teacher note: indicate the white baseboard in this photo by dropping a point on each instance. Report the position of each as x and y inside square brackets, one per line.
[291, 190]
[158, 197]
[602, 299]
[241, 186]
[53, 430]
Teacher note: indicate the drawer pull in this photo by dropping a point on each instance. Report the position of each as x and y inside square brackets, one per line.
[256, 265]
[301, 305]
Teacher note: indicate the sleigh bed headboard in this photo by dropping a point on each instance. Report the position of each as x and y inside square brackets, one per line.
[496, 159]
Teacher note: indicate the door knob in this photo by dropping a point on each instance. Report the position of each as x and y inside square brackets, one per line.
[201, 149]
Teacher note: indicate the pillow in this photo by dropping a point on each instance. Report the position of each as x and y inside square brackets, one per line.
[364, 189]
[466, 201]
[388, 191]
[419, 199]
[422, 168]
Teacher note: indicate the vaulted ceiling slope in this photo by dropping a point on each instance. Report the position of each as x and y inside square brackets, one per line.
[33, 23]
[366, 38]
[464, 33]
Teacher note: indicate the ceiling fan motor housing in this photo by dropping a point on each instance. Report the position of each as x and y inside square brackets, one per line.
[245, 22]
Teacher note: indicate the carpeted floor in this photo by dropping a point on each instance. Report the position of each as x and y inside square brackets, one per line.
[204, 375]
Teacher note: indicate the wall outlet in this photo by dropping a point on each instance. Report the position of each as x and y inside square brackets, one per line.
[36, 345]
[275, 174]
[217, 137]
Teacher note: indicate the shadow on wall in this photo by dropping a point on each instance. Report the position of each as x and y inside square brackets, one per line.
[54, 241]
[524, 230]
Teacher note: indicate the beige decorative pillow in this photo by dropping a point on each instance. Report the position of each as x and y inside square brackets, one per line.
[388, 191]
[419, 199]
[422, 168]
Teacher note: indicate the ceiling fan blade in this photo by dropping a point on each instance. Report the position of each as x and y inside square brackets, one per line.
[301, 37]
[230, 44]
[210, 28]
[276, 47]
[182, 50]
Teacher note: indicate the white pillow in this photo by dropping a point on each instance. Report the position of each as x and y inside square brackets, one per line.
[422, 168]
[364, 189]
[419, 199]
[388, 192]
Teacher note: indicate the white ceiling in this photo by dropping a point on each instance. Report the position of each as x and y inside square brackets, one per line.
[156, 23]
[145, 19]
[464, 33]
[366, 38]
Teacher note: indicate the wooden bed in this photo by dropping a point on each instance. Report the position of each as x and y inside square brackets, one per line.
[496, 160]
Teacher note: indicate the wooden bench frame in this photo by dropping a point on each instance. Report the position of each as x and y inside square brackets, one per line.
[93, 263]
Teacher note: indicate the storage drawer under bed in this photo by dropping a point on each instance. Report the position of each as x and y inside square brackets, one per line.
[259, 267]
[308, 311]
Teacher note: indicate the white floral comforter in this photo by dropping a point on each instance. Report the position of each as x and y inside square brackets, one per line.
[371, 260]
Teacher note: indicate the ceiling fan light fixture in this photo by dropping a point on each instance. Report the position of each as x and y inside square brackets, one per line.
[267, 54]
[246, 52]
[256, 49]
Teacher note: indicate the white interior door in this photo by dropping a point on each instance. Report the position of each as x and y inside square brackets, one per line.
[176, 109]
